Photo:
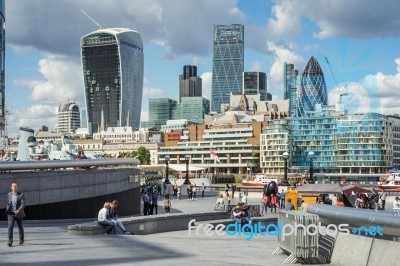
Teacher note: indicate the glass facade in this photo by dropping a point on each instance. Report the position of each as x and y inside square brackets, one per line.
[192, 108]
[160, 111]
[190, 85]
[112, 61]
[255, 83]
[312, 89]
[290, 76]
[355, 144]
[228, 53]
[2, 66]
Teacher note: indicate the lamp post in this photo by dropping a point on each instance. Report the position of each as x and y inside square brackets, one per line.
[311, 157]
[166, 158]
[187, 158]
[285, 157]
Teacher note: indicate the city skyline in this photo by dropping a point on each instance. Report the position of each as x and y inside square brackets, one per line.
[43, 67]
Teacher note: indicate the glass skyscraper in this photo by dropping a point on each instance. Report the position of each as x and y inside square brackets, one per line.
[2, 66]
[255, 83]
[228, 53]
[112, 61]
[160, 111]
[190, 85]
[312, 89]
[290, 76]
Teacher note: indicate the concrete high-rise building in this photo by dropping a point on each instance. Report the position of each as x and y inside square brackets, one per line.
[290, 76]
[228, 58]
[2, 67]
[190, 85]
[68, 118]
[312, 89]
[255, 83]
[112, 61]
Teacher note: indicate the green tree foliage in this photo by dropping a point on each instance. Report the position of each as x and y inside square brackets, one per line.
[142, 154]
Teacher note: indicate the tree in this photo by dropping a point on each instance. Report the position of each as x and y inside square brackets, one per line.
[142, 154]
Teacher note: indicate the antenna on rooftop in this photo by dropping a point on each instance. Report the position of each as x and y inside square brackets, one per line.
[94, 21]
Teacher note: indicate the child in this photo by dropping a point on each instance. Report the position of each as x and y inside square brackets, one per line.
[167, 204]
[228, 197]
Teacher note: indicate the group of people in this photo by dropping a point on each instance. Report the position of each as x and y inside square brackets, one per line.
[108, 217]
[275, 201]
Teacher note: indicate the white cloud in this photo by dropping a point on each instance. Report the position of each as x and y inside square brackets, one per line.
[63, 81]
[285, 21]
[151, 92]
[33, 117]
[336, 18]
[281, 54]
[206, 83]
[256, 66]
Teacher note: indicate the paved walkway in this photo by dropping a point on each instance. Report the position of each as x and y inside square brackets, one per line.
[49, 244]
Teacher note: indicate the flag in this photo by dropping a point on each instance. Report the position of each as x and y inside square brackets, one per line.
[214, 155]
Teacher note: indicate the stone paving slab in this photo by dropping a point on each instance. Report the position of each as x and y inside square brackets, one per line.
[51, 245]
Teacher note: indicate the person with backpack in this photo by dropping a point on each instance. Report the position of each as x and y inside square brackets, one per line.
[273, 202]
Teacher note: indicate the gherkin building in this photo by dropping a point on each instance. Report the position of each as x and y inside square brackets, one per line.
[312, 89]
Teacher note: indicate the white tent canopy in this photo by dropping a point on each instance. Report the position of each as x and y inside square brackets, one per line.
[182, 167]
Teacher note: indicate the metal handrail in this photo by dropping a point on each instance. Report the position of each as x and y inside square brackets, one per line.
[54, 164]
[357, 217]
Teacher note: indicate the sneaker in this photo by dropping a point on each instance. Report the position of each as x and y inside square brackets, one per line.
[9, 243]
[127, 233]
[21, 241]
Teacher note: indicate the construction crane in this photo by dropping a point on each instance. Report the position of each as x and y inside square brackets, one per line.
[342, 91]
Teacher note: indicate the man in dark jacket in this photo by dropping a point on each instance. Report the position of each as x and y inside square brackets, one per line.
[15, 213]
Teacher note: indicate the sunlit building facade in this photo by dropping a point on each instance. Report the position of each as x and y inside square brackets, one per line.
[312, 89]
[228, 64]
[112, 61]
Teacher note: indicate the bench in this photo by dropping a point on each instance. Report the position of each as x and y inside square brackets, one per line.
[143, 225]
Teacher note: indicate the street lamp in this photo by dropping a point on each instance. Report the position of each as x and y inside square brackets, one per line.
[187, 158]
[311, 157]
[285, 156]
[166, 158]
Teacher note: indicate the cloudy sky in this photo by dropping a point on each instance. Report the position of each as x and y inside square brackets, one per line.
[360, 38]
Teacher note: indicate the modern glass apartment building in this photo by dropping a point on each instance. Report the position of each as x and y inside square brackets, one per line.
[228, 64]
[355, 143]
[312, 89]
[2, 66]
[112, 61]
[290, 77]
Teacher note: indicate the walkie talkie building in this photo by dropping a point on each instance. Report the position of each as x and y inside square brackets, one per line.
[112, 61]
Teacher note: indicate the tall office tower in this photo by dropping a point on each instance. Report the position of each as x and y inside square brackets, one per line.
[290, 76]
[255, 83]
[112, 61]
[312, 89]
[228, 53]
[190, 85]
[2, 67]
[68, 118]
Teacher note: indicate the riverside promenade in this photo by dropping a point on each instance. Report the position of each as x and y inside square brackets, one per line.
[47, 243]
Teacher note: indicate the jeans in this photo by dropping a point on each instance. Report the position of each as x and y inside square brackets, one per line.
[118, 223]
[110, 226]
[282, 203]
[11, 221]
